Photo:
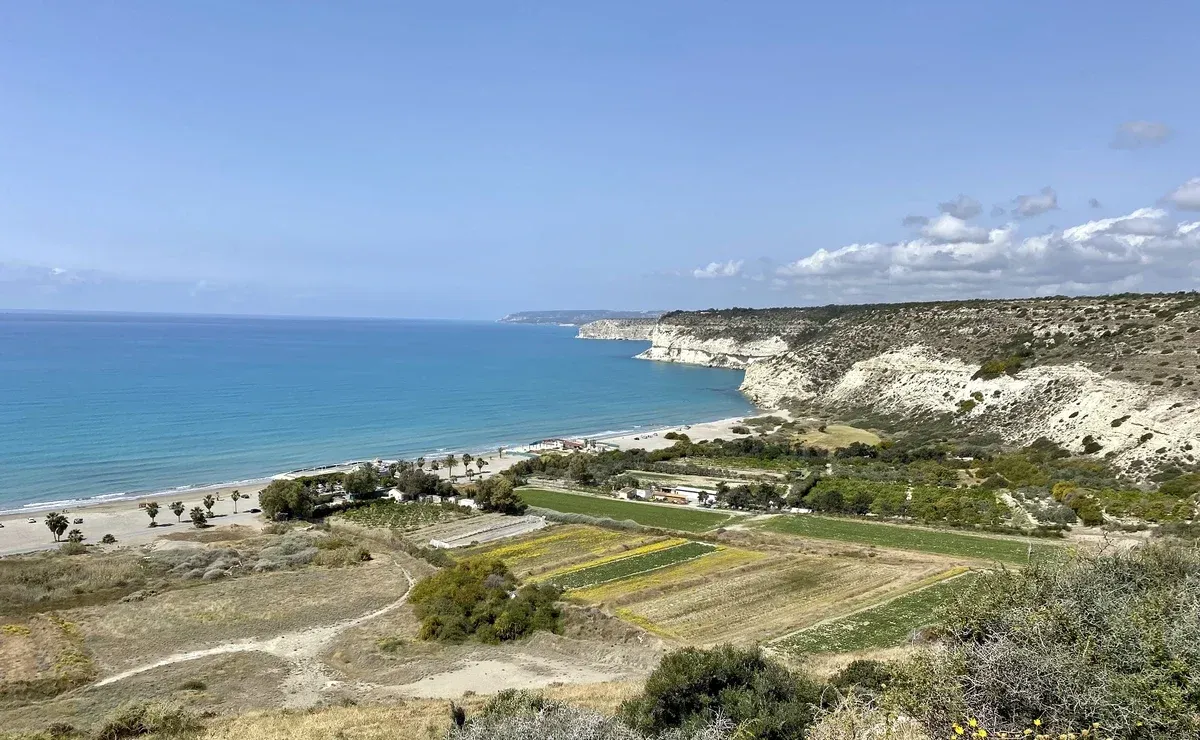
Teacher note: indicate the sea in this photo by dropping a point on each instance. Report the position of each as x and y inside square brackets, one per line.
[98, 406]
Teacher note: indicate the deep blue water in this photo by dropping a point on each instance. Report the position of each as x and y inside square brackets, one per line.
[97, 404]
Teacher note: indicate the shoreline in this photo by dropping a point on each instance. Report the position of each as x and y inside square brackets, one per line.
[122, 515]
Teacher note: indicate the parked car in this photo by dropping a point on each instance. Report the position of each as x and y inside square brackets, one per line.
[79, 520]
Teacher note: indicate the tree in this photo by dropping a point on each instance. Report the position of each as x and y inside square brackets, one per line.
[234, 497]
[420, 463]
[289, 498]
[57, 523]
[199, 518]
[693, 687]
[500, 452]
[362, 482]
[451, 461]
[479, 463]
[75, 535]
[177, 508]
[466, 461]
[208, 503]
[579, 471]
[474, 598]
[152, 512]
[497, 494]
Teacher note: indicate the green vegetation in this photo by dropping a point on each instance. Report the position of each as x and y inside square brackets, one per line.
[404, 516]
[886, 625]
[631, 566]
[649, 515]
[152, 512]
[1107, 639]
[692, 688]
[907, 538]
[497, 494]
[957, 506]
[57, 523]
[199, 518]
[287, 498]
[475, 599]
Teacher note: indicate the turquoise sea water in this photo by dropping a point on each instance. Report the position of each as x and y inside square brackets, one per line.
[94, 404]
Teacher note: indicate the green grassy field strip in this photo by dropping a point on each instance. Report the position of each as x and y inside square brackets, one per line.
[886, 625]
[636, 565]
[901, 537]
[666, 517]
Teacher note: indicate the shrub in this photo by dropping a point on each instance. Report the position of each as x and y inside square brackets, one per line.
[1108, 638]
[72, 548]
[550, 719]
[134, 719]
[692, 688]
[108, 539]
[475, 598]
[740, 430]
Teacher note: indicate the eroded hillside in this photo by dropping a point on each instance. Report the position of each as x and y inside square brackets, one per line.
[1112, 376]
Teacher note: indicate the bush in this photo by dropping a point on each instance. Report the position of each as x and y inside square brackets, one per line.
[134, 719]
[497, 494]
[530, 717]
[692, 688]
[72, 548]
[1108, 639]
[740, 430]
[475, 598]
[108, 539]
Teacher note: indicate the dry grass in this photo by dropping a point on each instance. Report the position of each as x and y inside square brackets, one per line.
[46, 581]
[838, 435]
[413, 719]
[260, 605]
[41, 656]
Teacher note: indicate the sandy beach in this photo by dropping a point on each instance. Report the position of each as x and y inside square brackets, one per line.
[126, 519]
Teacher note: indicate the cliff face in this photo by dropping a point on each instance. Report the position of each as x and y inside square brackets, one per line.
[1116, 372]
[632, 329]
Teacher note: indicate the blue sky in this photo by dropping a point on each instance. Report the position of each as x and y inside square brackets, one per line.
[471, 159]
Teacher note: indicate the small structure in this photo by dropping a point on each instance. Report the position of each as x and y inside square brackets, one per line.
[669, 497]
[557, 445]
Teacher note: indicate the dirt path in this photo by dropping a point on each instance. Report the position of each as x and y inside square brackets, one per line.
[307, 678]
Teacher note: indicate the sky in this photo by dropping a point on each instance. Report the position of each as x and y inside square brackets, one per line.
[471, 159]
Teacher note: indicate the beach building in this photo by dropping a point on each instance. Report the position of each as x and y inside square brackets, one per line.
[633, 494]
[558, 445]
[669, 497]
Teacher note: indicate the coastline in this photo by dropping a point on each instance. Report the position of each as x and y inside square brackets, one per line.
[122, 515]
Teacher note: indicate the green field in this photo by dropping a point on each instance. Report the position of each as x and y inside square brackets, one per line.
[666, 517]
[886, 625]
[615, 570]
[907, 538]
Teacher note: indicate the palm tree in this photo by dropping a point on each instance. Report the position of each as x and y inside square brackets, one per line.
[451, 461]
[234, 497]
[56, 523]
[420, 463]
[152, 512]
[500, 451]
[199, 518]
[208, 503]
[479, 463]
[467, 462]
[177, 508]
[75, 535]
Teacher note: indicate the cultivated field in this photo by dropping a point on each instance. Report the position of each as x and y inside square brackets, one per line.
[992, 548]
[404, 516]
[700, 593]
[886, 625]
[651, 515]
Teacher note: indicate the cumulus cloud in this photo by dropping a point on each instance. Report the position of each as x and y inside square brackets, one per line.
[947, 229]
[963, 207]
[911, 221]
[1101, 255]
[732, 268]
[1186, 197]
[1027, 206]
[1140, 135]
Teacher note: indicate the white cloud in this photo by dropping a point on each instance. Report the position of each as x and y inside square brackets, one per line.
[1140, 134]
[963, 207]
[1101, 255]
[732, 268]
[1027, 206]
[946, 229]
[1186, 197]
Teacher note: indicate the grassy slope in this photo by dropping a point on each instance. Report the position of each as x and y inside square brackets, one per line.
[682, 519]
[901, 537]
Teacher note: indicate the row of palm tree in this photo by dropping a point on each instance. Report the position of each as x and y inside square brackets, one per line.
[449, 461]
[177, 507]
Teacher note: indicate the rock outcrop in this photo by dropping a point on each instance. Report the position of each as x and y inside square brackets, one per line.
[631, 329]
[1113, 376]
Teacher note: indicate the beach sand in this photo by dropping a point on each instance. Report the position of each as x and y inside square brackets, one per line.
[126, 520]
